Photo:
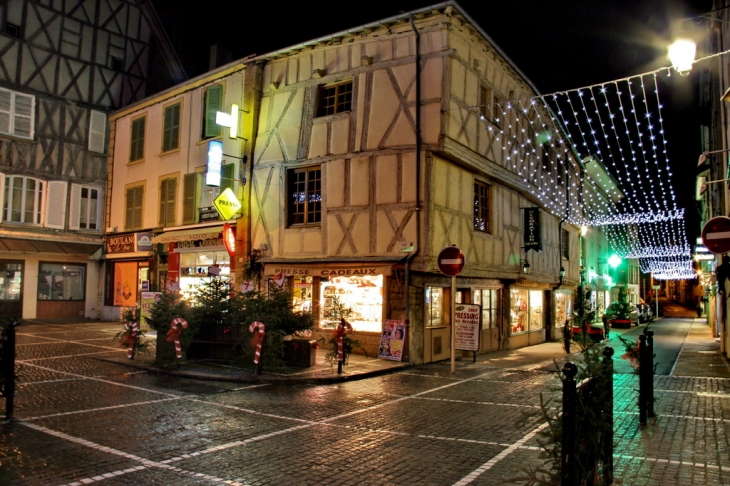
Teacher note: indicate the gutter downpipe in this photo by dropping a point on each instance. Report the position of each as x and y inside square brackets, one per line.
[410, 257]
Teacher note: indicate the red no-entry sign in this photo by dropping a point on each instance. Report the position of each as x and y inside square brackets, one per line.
[451, 261]
[716, 235]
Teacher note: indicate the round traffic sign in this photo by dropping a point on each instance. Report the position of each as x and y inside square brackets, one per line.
[451, 261]
[716, 234]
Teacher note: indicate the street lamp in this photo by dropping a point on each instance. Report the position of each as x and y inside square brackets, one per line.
[562, 271]
[526, 267]
[682, 54]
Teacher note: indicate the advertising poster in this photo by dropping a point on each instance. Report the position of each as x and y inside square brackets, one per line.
[125, 284]
[148, 299]
[392, 340]
[467, 325]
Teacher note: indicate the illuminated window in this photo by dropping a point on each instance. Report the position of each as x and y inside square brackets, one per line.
[481, 206]
[305, 196]
[335, 99]
[61, 281]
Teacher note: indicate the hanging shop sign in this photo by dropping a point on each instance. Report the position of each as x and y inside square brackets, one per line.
[215, 160]
[466, 322]
[128, 243]
[229, 239]
[532, 240]
[227, 204]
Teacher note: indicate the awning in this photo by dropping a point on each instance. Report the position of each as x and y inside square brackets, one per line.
[28, 245]
[209, 233]
[324, 269]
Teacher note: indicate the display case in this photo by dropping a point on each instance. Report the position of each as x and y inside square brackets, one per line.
[360, 297]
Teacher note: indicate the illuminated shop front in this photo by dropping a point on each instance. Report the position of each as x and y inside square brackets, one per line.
[323, 289]
[526, 317]
[127, 273]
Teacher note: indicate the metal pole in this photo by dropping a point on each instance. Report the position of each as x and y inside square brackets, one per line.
[650, 372]
[453, 327]
[9, 364]
[567, 452]
[643, 370]
[607, 442]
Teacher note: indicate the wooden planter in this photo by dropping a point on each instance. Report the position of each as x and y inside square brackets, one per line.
[301, 353]
[215, 343]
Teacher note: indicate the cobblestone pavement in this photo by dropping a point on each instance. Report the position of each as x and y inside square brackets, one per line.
[79, 420]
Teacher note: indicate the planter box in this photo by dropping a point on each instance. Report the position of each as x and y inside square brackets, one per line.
[215, 343]
[300, 353]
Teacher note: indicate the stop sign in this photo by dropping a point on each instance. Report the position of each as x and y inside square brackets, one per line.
[451, 261]
[716, 234]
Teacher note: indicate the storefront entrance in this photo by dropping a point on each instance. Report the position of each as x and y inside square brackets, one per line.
[11, 290]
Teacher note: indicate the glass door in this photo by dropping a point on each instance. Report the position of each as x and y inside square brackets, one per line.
[11, 290]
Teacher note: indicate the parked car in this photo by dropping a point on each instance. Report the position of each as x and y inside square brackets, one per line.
[646, 314]
[622, 314]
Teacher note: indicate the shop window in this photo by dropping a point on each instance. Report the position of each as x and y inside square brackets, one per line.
[527, 310]
[196, 268]
[133, 202]
[85, 207]
[168, 198]
[434, 306]
[536, 314]
[23, 199]
[563, 307]
[213, 103]
[363, 296]
[97, 131]
[61, 281]
[335, 99]
[305, 196]
[11, 279]
[481, 206]
[302, 294]
[17, 114]
[489, 300]
[125, 283]
[171, 128]
[136, 150]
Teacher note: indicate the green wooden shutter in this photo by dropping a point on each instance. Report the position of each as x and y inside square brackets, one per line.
[227, 174]
[133, 208]
[213, 104]
[137, 149]
[191, 196]
[171, 129]
[168, 190]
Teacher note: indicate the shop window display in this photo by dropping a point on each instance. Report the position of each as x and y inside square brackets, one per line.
[434, 300]
[197, 267]
[363, 296]
[536, 314]
[518, 316]
[563, 307]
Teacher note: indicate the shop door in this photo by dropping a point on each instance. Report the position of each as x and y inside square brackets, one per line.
[489, 299]
[437, 334]
[11, 290]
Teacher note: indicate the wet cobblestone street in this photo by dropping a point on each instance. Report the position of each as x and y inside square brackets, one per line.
[79, 420]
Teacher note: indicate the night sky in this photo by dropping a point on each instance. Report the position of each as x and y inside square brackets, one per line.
[558, 44]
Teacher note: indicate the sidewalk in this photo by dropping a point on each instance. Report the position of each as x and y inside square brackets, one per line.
[700, 357]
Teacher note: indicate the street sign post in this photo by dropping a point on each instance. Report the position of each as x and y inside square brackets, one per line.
[451, 261]
[716, 235]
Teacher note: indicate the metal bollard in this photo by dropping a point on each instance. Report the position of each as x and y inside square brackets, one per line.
[607, 442]
[570, 402]
[7, 367]
[644, 365]
[650, 373]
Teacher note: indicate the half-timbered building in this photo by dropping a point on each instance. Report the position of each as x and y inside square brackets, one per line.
[63, 66]
[358, 158]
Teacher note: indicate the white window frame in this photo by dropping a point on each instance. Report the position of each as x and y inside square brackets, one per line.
[38, 200]
[77, 207]
[17, 114]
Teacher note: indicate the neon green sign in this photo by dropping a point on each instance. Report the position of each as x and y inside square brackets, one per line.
[227, 204]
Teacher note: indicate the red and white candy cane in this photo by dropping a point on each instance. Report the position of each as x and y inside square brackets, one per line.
[340, 331]
[258, 329]
[130, 338]
[173, 335]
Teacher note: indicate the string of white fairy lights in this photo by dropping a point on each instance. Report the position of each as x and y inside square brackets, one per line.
[597, 156]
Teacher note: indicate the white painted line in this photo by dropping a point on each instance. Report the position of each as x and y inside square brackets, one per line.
[92, 410]
[489, 464]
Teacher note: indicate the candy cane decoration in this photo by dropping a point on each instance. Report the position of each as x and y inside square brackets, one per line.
[175, 332]
[258, 338]
[342, 329]
[130, 338]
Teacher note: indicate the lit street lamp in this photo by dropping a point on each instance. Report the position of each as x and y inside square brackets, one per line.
[682, 54]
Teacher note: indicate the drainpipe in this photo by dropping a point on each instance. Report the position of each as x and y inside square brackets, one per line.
[410, 257]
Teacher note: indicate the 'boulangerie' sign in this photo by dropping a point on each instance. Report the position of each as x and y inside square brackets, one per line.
[532, 229]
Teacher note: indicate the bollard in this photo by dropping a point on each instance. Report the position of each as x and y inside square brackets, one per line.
[7, 367]
[644, 366]
[650, 372]
[570, 401]
[607, 442]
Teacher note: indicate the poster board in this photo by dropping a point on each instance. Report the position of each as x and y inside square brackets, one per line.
[147, 301]
[392, 340]
[467, 322]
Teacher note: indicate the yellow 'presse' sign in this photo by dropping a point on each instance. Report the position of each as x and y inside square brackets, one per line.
[227, 204]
